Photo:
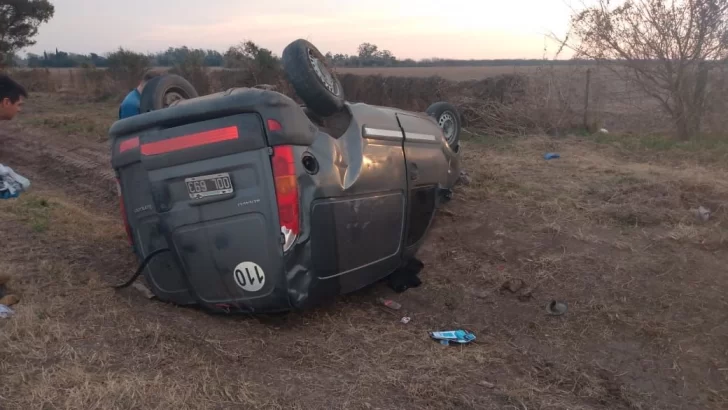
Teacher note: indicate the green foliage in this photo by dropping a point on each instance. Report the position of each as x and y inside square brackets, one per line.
[19, 21]
[181, 55]
[127, 67]
[237, 56]
[192, 67]
[61, 59]
[261, 65]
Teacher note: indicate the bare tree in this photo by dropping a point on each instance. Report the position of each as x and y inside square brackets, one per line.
[665, 47]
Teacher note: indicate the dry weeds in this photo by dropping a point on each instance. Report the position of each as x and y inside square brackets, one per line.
[502, 101]
[611, 234]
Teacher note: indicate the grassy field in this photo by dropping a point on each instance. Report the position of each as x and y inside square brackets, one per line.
[550, 98]
[608, 228]
[448, 73]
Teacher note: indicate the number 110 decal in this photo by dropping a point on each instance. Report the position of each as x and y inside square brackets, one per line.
[249, 276]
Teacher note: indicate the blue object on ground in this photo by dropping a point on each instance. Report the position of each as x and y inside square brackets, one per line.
[551, 155]
[453, 336]
[8, 195]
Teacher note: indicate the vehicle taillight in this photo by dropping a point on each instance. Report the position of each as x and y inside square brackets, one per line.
[123, 213]
[274, 125]
[286, 184]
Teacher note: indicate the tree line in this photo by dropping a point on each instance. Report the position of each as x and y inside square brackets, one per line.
[368, 55]
[668, 49]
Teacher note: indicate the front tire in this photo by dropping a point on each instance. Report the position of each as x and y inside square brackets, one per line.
[448, 119]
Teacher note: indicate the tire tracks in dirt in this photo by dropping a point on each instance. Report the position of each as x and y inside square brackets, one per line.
[80, 168]
[79, 171]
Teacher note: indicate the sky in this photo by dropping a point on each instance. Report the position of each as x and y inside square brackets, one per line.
[460, 29]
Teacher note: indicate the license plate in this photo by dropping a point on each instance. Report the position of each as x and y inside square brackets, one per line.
[209, 185]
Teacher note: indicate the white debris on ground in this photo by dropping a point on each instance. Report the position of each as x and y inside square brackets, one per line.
[702, 213]
[465, 178]
[6, 312]
[11, 181]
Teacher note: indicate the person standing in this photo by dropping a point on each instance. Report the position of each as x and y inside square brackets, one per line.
[12, 96]
[130, 106]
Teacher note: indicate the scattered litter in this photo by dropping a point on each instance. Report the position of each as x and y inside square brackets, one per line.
[11, 183]
[551, 155]
[512, 285]
[6, 312]
[406, 320]
[486, 384]
[145, 290]
[555, 308]
[452, 336]
[702, 213]
[390, 303]
[465, 178]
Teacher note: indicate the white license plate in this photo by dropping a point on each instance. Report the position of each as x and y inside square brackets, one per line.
[209, 185]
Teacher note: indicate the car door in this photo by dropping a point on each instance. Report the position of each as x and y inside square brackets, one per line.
[427, 171]
[358, 215]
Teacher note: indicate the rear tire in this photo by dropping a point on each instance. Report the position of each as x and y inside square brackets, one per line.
[161, 92]
[448, 119]
[308, 73]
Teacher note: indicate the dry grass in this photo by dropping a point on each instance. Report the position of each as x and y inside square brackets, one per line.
[607, 228]
[500, 100]
[67, 76]
[448, 73]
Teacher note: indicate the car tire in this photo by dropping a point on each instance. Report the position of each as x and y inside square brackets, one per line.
[162, 91]
[448, 119]
[307, 71]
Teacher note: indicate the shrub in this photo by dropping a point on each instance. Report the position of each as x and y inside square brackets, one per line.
[127, 67]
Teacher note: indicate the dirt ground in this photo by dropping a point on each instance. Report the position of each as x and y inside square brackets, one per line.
[607, 228]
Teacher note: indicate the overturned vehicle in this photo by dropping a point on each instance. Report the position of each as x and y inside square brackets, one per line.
[246, 201]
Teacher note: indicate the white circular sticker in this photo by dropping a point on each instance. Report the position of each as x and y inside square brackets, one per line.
[249, 276]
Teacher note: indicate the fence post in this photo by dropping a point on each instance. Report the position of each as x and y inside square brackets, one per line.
[586, 99]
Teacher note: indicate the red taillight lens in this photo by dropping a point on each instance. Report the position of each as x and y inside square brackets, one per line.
[284, 172]
[274, 125]
[123, 213]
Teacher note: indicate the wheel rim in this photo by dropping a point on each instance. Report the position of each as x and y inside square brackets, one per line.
[447, 123]
[171, 97]
[323, 73]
